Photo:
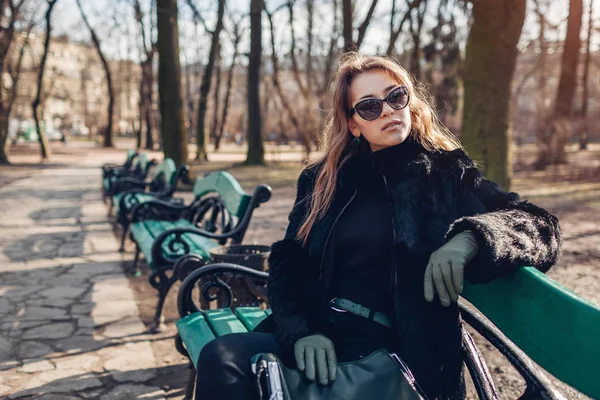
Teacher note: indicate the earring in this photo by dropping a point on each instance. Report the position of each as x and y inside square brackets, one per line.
[356, 141]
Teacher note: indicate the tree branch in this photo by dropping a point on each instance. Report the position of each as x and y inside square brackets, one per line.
[362, 29]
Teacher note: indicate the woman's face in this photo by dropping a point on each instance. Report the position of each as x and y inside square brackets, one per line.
[392, 126]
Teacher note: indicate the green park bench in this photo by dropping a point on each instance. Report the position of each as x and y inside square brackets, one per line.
[138, 169]
[111, 167]
[111, 171]
[129, 191]
[164, 232]
[532, 318]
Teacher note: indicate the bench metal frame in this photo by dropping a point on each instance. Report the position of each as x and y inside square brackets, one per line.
[136, 173]
[538, 386]
[209, 215]
[115, 170]
[158, 188]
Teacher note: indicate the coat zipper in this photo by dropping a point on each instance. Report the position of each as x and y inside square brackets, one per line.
[392, 261]
[331, 230]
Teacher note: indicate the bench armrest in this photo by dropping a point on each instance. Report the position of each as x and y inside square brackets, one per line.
[538, 385]
[129, 200]
[128, 183]
[157, 209]
[211, 276]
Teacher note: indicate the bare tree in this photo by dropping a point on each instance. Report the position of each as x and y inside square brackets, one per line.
[285, 101]
[256, 150]
[44, 145]
[307, 131]
[201, 141]
[108, 134]
[489, 66]
[395, 31]
[348, 17]
[172, 109]
[236, 36]
[416, 18]
[552, 149]
[333, 48]
[6, 40]
[442, 55]
[147, 82]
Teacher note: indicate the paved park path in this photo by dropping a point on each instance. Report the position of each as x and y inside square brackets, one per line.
[69, 324]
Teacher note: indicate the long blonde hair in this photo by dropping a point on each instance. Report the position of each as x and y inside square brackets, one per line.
[337, 139]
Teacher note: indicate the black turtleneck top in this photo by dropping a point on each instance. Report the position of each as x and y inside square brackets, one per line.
[363, 250]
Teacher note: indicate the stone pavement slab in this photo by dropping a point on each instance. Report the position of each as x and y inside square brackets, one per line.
[69, 323]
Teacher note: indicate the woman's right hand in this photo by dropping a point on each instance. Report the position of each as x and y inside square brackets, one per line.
[315, 355]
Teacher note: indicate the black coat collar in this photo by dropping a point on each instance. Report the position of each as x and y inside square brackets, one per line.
[364, 165]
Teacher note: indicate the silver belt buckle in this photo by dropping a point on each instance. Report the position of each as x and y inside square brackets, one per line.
[335, 308]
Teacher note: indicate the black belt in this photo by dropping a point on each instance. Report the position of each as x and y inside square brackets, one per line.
[344, 305]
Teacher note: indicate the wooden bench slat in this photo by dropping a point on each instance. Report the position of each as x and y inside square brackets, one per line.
[141, 197]
[224, 322]
[250, 316]
[555, 327]
[146, 231]
[195, 333]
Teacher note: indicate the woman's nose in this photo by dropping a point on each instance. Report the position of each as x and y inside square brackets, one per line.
[387, 110]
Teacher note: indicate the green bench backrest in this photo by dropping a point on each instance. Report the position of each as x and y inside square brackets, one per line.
[556, 328]
[130, 156]
[169, 171]
[228, 188]
[199, 328]
[142, 161]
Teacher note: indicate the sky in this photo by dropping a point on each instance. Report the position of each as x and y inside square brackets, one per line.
[115, 24]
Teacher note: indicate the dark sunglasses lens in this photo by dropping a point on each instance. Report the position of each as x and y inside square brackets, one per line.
[369, 109]
[398, 98]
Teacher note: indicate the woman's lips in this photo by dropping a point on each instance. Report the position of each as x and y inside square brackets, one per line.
[391, 125]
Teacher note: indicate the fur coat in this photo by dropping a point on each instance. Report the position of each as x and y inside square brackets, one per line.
[434, 196]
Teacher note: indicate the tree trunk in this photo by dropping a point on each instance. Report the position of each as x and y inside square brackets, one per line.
[491, 54]
[172, 121]
[558, 133]
[6, 109]
[189, 99]
[147, 81]
[214, 127]
[148, 95]
[256, 151]
[584, 124]
[3, 139]
[237, 36]
[108, 134]
[415, 31]
[542, 79]
[201, 141]
[44, 145]
[141, 114]
[347, 26]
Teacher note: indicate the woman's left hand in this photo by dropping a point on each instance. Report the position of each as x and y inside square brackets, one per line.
[445, 269]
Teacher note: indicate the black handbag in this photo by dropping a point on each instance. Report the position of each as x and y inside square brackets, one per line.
[381, 376]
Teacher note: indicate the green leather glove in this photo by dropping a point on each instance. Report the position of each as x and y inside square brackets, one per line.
[445, 269]
[315, 355]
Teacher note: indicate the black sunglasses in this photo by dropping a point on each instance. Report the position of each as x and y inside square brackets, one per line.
[371, 108]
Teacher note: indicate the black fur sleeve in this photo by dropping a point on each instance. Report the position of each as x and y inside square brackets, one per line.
[510, 232]
[288, 273]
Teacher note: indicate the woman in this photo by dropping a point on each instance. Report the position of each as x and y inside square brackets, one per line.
[386, 226]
